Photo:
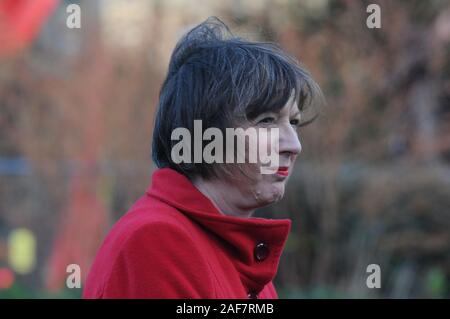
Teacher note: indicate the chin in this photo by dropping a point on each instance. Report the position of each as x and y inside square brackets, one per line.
[273, 193]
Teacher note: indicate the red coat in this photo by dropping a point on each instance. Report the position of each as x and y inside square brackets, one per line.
[174, 243]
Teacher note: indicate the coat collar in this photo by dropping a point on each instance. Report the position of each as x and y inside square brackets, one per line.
[243, 234]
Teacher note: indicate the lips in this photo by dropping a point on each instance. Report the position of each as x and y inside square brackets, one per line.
[283, 171]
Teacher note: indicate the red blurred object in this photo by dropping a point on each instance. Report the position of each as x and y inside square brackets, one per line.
[6, 278]
[81, 231]
[20, 22]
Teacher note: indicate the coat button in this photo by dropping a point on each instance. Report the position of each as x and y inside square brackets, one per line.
[261, 251]
[252, 295]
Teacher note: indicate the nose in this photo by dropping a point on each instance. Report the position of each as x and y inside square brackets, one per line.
[289, 141]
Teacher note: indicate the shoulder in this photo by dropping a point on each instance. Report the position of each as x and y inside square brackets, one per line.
[146, 220]
[153, 252]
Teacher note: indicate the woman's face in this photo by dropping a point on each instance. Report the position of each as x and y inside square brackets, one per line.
[260, 189]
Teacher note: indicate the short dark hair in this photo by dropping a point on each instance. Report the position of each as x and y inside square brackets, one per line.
[219, 78]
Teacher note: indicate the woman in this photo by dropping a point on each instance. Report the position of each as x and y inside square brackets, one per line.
[192, 235]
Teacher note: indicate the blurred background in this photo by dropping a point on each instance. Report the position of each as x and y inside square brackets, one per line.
[371, 186]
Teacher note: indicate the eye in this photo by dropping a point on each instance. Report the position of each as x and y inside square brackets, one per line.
[295, 122]
[267, 120]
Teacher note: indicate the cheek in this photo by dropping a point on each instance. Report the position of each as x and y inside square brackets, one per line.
[262, 145]
[271, 191]
[268, 143]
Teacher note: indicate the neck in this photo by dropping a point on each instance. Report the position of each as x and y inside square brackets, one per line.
[224, 197]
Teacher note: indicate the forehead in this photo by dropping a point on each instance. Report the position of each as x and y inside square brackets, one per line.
[291, 106]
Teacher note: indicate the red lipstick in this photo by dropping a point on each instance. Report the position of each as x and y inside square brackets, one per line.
[283, 171]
